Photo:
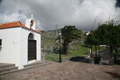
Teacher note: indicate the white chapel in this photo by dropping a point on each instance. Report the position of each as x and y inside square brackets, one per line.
[20, 43]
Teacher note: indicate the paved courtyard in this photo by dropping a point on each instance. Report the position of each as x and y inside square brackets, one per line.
[67, 71]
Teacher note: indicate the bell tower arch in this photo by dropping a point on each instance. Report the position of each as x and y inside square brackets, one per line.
[30, 23]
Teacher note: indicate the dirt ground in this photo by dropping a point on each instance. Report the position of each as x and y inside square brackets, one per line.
[67, 71]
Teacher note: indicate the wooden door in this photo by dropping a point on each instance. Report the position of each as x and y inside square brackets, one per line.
[31, 50]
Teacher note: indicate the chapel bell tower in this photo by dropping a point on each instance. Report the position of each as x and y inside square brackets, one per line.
[30, 23]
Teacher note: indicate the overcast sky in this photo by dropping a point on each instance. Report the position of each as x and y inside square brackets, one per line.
[49, 13]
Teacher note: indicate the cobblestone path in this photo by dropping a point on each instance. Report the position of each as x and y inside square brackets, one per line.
[67, 71]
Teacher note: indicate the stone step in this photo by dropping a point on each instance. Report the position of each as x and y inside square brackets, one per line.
[7, 68]
[37, 64]
[9, 71]
[29, 66]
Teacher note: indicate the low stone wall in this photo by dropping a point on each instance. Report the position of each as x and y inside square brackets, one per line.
[66, 59]
[78, 59]
[107, 62]
[87, 59]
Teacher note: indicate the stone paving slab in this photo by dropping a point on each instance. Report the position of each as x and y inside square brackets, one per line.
[67, 71]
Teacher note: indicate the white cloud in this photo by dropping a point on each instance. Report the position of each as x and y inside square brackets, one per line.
[12, 17]
[48, 13]
[38, 24]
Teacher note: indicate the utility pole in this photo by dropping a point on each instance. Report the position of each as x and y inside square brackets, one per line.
[60, 47]
[56, 30]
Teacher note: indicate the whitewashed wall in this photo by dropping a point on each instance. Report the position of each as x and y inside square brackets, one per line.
[15, 46]
[24, 46]
[10, 51]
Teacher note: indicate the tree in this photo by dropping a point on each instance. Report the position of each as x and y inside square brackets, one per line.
[109, 34]
[68, 34]
[92, 40]
[106, 34]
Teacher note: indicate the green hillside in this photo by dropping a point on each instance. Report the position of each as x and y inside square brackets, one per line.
[76, 47]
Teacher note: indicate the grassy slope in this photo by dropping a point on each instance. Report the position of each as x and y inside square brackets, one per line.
[49, 39]
[81, 51]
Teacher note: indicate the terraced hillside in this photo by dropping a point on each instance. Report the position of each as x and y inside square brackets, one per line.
[48, 38]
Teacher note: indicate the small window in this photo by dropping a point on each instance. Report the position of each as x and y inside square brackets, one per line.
[30, 36]
[0, 42]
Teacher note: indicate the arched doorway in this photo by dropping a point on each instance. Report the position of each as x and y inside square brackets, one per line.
[31, 47]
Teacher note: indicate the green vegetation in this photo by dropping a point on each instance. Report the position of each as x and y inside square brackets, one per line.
[77, 52]
[82, 50]
[68, 34]
[106, 34]
[48, 38]
[52, 56]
